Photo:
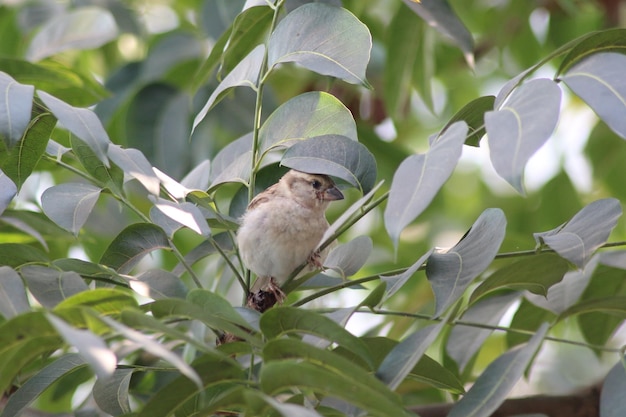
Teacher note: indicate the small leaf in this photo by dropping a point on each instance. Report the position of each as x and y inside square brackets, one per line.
[70, 204]
[16, 101]
[216, 305]
[8, 190]
[308, 115]
[232, 163]
[439, 14]
[83, 28]
[536, 274]
[198, 177]
[283, 320]
[419, 177]
[473, 113]
[91, 347]
[51, 286]
[598, 81]
[186, 214]
[348, 258]
[464, 341]
[157, 284]
[612, 400]
[588, 230]
[315, 36]
[42, 380]
[395, 282]
[246, 73]
[111, 394]
[494, 384]
[132, 244]
[13, 299]
[111, 177]
[334, 155]
[613, 40]
[521, 126]
[134, 163]
[82, 122]
[451, 272]
[613, 304]
[404, 356]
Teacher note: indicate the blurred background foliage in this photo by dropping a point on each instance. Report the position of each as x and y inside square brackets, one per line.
[153, 70]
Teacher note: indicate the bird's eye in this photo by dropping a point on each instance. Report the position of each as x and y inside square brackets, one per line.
[316, 184]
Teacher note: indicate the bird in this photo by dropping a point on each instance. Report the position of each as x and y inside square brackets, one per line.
[281, 230]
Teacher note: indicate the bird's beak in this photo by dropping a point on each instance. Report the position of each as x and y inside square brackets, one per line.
[333, 194]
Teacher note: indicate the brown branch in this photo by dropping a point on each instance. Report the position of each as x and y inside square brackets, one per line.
[582, 404]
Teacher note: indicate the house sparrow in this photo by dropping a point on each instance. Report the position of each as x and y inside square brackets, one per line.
[281, 229]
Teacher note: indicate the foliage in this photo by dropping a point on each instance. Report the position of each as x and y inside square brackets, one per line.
[119, 203]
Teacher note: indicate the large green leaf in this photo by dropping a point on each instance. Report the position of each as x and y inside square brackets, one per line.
[185, 214]
[70, 204]
[82, 28]
[494, 384]
[473, 113]
[15, 109]
[419, 177]
[111, 394]
[111, 177]
[325, 39]
[589, 229]
[42, 380]
[451, 272]
[278, 376]
[613, 40]
[134, 164]
[521, 126]
[51, 286]
[308, 115]
[598, 81]
[536, 274]
[334, 155]
[132, 244]
[16, 254]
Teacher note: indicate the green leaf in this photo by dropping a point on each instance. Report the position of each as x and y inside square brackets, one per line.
[51, 286]
[284, 320]
[82, 28]
[278, 376]
[216, 305]
[134, 163]
[612, 401]
[334, 155]
[494, 384]
[611, 40]
[88, 270]
[528, 317]
[8, 190]
[157, 283]
[521, 126]
[614, 304]
[439, 14]
[473, 113]
[15, 109]
[111, 394]
[451, 272]
[598, 81]
[588, 230]
[535, 274]
[464, 341]
[23, 339]
[186, 214]
[348, 258]
[13, 300]
[82, 122]
[70, 204]
[15, 254]
[430, 372]
[246, 73]
[105, 301]
[132, 244]
[315, 36]
[41, 381]
[111, 177]
[21, 160]
[399, 362]
[91, 347]
[419, 177]
[305, 116]
[394, 282]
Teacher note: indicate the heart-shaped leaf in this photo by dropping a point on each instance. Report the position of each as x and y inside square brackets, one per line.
[589, 229]
[451, 272]
[334, 155]
[599, 81]
[521, 126]
[69, 204]
[15, 109]
[325, 39]
[419, 177]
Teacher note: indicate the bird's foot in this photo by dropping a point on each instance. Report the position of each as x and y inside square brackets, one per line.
[315, 260]
[266, 298]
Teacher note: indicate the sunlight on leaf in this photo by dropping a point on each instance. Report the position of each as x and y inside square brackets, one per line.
[70, 204]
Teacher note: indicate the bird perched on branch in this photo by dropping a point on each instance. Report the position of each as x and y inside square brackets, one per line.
[281, 230]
